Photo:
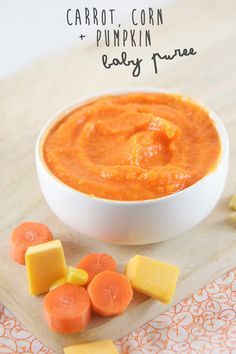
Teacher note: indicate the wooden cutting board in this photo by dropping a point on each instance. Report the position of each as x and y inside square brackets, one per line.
[30, 97]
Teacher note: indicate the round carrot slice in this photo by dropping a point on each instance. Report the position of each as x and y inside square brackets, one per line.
[67, 309]
[110, 293]
[95, 263]
[25, 235]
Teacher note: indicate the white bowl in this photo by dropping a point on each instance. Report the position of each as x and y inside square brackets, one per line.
[132, 222]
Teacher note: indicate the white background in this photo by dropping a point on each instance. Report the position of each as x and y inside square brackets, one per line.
[33, 29]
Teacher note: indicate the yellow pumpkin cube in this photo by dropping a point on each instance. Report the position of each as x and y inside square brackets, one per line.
[98, 347]
[152, 277]
[232, 203]
[45, 263]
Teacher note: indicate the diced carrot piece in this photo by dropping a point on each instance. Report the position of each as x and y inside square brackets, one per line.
[95, 263]
[110, 293]
[67, 309]
[25, 235]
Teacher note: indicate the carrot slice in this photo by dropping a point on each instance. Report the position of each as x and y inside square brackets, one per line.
[67, 309]
[110, 293]
[94, 263]
[25, 235]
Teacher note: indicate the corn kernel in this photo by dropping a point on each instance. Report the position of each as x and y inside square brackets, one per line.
[58, 283]
[232, 203]
[77, 276]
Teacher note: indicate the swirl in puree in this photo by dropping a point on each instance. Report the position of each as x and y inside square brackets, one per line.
[133, 147]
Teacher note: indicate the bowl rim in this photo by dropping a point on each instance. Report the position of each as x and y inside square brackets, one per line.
[56, 117]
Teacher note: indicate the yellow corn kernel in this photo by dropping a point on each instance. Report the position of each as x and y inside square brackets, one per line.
[74, 276]
[57, 283]
[77, 276]
[232, 203]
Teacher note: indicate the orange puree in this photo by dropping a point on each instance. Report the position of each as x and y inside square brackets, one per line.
[133, 147]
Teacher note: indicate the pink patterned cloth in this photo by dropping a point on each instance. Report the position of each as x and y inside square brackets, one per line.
[203, 323]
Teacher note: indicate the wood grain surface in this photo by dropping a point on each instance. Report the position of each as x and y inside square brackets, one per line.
[30, 97]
